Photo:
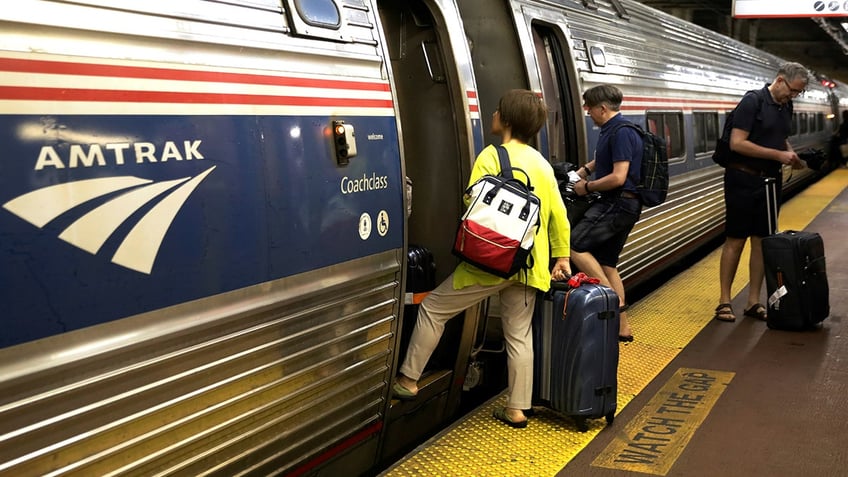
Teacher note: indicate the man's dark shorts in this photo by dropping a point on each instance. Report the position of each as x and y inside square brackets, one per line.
[605, 227]
[745, 203]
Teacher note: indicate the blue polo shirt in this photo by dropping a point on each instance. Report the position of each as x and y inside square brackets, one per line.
[625, 145]
[767, 126]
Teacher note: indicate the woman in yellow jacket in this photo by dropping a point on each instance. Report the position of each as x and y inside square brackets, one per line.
[519, 117]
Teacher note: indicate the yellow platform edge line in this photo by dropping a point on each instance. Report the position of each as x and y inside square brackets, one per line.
[664, 322]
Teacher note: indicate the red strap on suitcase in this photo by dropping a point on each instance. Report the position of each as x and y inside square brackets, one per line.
[575, 281]
[579, 278]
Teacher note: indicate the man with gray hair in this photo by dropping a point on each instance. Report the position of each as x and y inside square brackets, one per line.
[760, 147]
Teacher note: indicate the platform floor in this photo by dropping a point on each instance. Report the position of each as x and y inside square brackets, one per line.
[697, 397]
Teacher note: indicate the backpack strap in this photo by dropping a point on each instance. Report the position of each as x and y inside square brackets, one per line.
[503, 158]
[507, 168]
[758, 94]
[626, 124]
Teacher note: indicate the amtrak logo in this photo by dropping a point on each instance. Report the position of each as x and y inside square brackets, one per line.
[139, 248]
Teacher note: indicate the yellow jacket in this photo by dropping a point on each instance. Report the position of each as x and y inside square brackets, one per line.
[552, 238]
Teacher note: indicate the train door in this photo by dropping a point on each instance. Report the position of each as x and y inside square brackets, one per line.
[437, 137]
[563, 101]
[527, 49]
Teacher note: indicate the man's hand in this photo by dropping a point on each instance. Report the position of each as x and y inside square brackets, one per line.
[580, 187]
[789, 158]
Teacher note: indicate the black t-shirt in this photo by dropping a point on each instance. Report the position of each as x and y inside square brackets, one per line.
[768, 125]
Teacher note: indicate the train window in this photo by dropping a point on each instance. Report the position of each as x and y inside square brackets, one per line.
[320, 13]
[669, 126]
[819, 121]
[705, 132]
[805, 125]
[328, 19]
[793, 130]
[599, 57]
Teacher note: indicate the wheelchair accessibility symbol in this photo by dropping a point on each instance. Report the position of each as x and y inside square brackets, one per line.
[383, 223]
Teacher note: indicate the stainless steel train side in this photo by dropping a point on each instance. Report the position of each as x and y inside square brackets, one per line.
[256, 333]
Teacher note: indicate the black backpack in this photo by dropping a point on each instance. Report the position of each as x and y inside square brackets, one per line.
[653, 178]
[722, 154]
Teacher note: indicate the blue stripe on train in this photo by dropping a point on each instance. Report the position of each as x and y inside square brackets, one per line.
[275, 205]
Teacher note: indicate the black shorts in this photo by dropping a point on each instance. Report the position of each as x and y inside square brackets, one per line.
[746, 210]
[605, 227]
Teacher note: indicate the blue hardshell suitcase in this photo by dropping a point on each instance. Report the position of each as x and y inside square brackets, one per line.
[575, 344]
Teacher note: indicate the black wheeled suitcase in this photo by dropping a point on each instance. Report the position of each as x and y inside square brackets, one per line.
[796, 277]
[575, 347]
[796, 280]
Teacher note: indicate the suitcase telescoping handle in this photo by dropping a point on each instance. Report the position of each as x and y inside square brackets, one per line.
[771, 203]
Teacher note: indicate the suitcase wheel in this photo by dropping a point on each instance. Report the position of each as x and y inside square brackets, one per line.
[581, 424]
[610, 417]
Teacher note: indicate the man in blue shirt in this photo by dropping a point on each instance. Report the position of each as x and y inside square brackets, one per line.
[759, 141]
[598, 238]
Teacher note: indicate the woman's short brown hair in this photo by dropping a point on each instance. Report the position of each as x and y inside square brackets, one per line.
[524, 112]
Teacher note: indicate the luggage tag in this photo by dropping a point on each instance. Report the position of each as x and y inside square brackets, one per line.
[774, 299]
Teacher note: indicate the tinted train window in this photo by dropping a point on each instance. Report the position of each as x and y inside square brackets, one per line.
[819, 121]
[804, 123]
[706, 132]
[320, 13]
[793, 130]
[670, 127]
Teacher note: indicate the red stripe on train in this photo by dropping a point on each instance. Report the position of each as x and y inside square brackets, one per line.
[338, 449]
[679, 101]
[100, 95]
[88, 69]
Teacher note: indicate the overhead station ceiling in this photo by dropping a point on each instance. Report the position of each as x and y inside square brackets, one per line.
[819, 43]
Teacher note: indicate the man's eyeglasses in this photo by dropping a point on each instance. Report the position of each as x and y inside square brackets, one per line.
[793, 91]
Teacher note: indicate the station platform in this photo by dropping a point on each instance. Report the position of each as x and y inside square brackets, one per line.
[696, 397]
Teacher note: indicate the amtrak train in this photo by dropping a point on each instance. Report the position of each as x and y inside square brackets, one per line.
[206, 208]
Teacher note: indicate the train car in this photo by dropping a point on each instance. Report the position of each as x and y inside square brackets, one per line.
[206, 208]
[202, 230]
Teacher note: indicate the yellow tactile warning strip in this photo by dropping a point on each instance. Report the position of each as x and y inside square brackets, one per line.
[664, 322]
[653, 440]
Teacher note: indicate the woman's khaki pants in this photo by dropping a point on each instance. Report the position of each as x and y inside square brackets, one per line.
[443, 303]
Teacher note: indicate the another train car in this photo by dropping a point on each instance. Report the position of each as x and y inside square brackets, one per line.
[206, 209]
[679, 81]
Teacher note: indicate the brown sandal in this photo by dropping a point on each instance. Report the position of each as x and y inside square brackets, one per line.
[758, 311]
[724, 312]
